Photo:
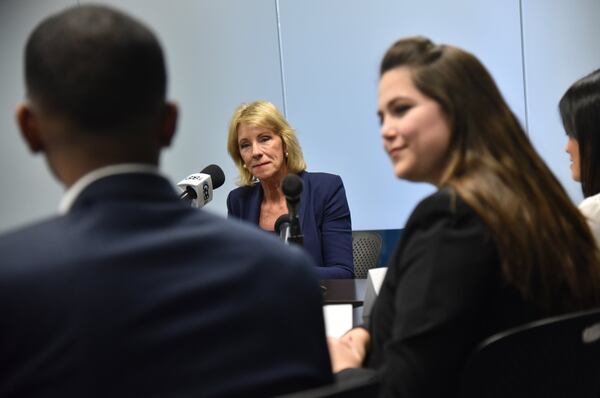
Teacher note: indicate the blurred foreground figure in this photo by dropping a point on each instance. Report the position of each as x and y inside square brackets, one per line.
[497, 245]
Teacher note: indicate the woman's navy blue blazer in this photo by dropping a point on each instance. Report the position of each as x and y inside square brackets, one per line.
[324, 218]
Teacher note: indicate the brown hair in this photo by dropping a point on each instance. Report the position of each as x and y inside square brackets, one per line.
[263, 114]
[546, 248]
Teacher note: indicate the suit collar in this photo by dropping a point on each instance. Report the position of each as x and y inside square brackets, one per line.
[126, 187]
[256, 197]
[79, 186]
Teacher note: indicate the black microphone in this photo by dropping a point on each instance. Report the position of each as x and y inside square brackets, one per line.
[198, 187]
[292, 188]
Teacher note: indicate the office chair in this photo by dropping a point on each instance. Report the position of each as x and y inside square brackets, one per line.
[366, 247]
[553, 357]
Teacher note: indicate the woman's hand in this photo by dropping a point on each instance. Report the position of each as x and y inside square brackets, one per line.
[348, 351]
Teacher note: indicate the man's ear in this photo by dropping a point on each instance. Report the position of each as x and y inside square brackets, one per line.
[29, 126]
[168, 124]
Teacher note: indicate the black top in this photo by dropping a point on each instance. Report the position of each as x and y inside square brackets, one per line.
[443, 294]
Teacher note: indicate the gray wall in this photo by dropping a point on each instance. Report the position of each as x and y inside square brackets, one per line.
[317, 60]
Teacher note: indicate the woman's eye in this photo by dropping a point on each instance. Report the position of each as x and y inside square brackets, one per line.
[400, 110]
[244, 145]
[264, 138]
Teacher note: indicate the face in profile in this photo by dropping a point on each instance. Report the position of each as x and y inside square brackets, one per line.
[262, 152]
[572, 148]
[414, 129]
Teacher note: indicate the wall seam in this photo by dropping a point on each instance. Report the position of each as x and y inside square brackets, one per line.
[281, 68]
[523, 67]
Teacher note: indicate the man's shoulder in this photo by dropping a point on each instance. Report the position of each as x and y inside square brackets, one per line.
[34, 246]
[226, 240]
[32, 234]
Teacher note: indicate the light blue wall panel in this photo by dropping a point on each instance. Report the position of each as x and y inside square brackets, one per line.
[331, 52]
[222, 53]
[561, 45]
[28, 189]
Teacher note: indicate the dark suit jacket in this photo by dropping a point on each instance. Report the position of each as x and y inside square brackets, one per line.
[324, 218]
[442, 295]
[134, 294]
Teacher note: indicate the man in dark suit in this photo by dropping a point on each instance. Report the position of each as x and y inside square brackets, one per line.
[129, 292]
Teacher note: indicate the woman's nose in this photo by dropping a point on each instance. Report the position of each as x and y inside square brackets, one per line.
[256, 152]
[387, 131]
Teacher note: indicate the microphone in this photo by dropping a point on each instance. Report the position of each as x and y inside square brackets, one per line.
[282, 227]
[292, 188]
[198, 187]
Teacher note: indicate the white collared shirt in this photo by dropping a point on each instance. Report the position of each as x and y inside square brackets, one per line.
[75, 190]
[590, 207]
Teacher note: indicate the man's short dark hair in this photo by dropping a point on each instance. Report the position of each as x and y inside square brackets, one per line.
[95, 66]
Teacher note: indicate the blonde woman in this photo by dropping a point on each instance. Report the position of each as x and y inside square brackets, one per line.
[265, 150]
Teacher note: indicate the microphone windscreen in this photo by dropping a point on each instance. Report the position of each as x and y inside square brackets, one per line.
[216, 175]
[292, 186]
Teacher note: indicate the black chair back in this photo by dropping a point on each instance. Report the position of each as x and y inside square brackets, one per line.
[366, 248]
[553, 357]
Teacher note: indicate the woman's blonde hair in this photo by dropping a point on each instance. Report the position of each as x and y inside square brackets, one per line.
[265, 115]
[546, 248]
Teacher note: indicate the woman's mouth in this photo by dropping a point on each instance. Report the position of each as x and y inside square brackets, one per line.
[394, 152]
[256, 166]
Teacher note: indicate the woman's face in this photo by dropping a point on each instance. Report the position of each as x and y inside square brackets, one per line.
[262, 152]
[572, 148]
[415, 132]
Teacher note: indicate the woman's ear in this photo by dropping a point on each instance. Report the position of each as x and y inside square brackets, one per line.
[29, 127]
[285, 151]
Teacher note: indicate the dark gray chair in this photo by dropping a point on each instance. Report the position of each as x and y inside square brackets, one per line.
[366, 248]
[553, 357]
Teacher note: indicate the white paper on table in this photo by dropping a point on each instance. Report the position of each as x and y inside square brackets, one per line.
[338, 319]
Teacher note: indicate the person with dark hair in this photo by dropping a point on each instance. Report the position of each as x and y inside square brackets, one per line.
[499, 244]
[580, 113]
[129, 292]
[265, 149]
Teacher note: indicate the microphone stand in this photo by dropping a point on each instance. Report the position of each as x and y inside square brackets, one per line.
[296, 235]
[289, 230]
[292, 188]
[188, 195]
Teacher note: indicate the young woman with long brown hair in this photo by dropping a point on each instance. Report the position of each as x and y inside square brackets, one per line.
[499, 244]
